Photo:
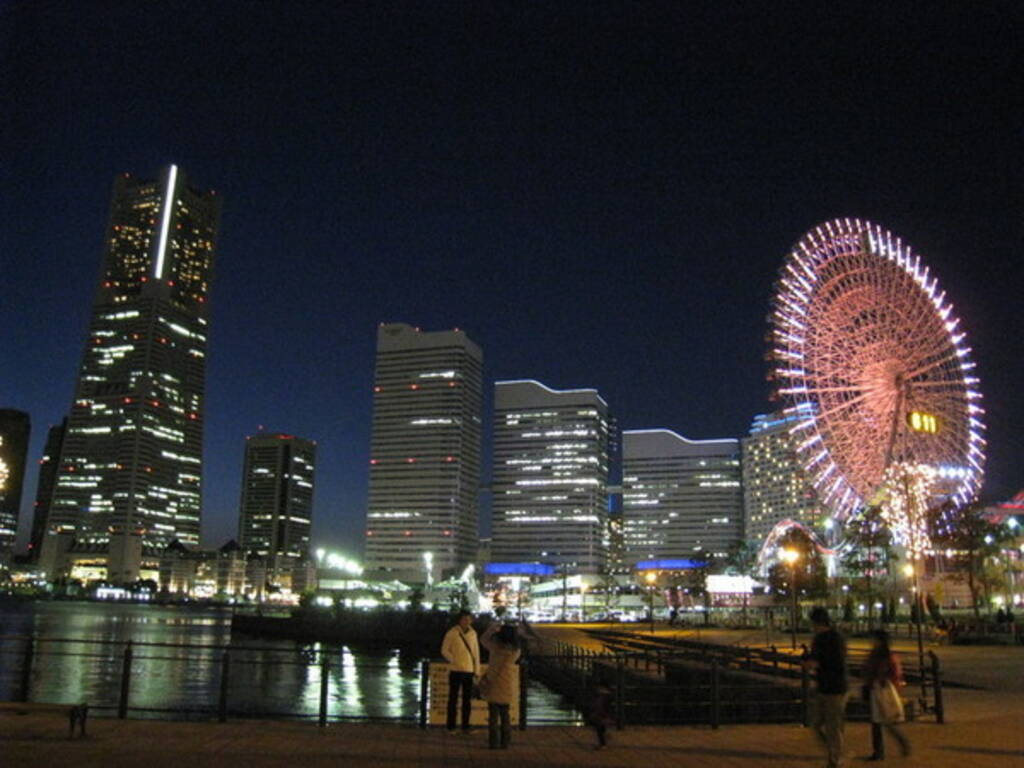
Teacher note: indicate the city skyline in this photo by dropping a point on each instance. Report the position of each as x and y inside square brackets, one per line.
[601, 200]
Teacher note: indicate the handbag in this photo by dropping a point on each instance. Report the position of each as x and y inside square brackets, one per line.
[482, 688]
[886, 704]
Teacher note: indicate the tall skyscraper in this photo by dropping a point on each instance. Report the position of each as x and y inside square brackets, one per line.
[550, 483]
[681, 499]
[131, 465]
[775, 487]
[425, 452]
[277, 500]
[14, 432]
[45, 485]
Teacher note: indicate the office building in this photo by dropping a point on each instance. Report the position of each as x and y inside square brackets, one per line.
[550, 482]
[681, 499]
[45, 485]
[129, 477]
[14, 432]
[775, 487]
[277, 500]
[424, 453]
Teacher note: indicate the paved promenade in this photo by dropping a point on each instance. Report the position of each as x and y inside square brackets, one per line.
[986, 732]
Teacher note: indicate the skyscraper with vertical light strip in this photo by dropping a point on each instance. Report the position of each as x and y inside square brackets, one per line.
[130, 469]
[424, 452]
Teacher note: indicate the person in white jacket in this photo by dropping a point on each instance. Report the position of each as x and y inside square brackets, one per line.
[461, 650]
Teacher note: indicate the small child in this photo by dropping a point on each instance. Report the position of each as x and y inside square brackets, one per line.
[599, 713]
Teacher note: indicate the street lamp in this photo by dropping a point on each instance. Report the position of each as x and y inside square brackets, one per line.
[583, 602]
[910, 570]
[650, 577]
[790, 557]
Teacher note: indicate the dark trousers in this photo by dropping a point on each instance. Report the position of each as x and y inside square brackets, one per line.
[878, 739]
[457, 681]
[498, 738]
[602, 734]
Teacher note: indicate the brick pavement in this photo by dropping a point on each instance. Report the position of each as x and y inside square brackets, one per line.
[985, 734]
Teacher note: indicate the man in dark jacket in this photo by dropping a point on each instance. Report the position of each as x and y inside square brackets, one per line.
[828, 658]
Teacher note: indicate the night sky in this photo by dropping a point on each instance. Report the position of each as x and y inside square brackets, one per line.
[600, 194]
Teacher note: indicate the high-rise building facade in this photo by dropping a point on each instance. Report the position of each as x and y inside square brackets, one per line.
[131, 465]
[550, 481]
[681, 499]
[775, 487]
[277, 499]
[424, 452]
[45, 485]
[14, 431]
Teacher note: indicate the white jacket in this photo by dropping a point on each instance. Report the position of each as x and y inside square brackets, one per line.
[461, 656]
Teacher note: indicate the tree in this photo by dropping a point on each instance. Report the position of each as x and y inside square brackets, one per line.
[609, 587]
[870, 557]
[742, 558]
[972, 540]
[811, 574]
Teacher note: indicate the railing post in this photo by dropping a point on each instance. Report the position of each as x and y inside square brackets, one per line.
[775, 661]
[222, 708]
[126, 681]
[620, 704]
[524, 680]
[26, 668]
[940, 710]
[716, 712]
[424, 679]
[805, 695]
[325, 668]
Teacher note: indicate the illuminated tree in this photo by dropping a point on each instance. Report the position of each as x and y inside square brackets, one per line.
[969, 540]
[868, 558]
[811, 573]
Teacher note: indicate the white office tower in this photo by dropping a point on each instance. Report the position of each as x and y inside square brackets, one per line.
[550, 484]
[424, 453]
[681, 499]
[775, 487]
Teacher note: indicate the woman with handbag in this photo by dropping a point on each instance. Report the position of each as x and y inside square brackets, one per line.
[882, 678]
[498, 684]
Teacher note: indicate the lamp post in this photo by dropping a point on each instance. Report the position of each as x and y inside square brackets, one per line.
[790, 557]
[583, 602]
[910, 570]
[650, 577]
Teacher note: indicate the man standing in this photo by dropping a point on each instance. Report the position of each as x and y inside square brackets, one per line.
[462, 652]
[828, 657]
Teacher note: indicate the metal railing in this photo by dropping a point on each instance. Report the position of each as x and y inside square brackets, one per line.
[233, 667]
[647, 683]
[691, 682]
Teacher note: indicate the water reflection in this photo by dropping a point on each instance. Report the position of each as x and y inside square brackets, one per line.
[266, 677]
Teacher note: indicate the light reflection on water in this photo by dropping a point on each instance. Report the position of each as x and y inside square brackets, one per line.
[266, 677]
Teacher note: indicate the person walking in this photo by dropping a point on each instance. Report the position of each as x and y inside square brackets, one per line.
[882, 678]
[498, 684]
[461, 650]
[828, 658]
[599, 713]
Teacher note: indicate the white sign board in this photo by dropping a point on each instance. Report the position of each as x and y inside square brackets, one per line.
[437, 699]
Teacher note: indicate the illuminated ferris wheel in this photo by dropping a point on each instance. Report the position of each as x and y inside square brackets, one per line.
[867, 352]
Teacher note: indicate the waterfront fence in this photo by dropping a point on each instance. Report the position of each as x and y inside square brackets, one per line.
[686, 682]
[203, 681]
